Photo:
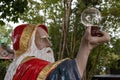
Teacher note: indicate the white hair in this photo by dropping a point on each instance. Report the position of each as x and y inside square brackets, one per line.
[32, 51]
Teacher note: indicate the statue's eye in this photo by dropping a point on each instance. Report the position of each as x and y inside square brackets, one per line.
[4, 53]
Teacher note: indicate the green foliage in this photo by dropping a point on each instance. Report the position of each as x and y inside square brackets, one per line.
[2, 23]
[116, 45]
[12, 9]
[42, 11]
[91, 2]
[5, 31]
[33, 13]
[55, 38]
[3, 67]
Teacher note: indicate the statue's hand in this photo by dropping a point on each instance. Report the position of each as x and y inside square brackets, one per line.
[92, 41]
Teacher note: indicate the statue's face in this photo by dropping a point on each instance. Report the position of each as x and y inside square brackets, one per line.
[42, 39]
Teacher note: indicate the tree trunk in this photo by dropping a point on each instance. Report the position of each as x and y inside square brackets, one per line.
[63, 44]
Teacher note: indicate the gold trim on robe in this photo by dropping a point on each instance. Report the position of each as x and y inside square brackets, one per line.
[43, 74]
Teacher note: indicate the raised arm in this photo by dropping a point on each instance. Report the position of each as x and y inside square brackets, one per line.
[88, 42]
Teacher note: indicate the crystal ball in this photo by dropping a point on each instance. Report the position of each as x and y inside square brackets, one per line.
[91, 17]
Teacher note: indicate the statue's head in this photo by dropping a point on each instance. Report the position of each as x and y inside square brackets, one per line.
[22, 37]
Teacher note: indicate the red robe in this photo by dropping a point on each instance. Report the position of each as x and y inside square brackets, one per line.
[37, 69]
[30, 69]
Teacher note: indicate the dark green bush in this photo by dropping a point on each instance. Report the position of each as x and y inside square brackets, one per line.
[3, 67]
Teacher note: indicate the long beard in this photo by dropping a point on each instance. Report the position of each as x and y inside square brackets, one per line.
[45, 53]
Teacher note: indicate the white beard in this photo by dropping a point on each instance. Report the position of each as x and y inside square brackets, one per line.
[32, 51]
[45, 53]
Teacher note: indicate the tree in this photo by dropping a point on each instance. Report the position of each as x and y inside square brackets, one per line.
[5, 34]
[12, 9]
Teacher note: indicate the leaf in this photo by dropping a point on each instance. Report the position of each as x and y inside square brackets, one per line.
[2, 22]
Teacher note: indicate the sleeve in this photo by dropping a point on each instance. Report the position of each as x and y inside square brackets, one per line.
[66, 70]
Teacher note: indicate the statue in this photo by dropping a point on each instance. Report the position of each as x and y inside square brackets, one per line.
[35, 59]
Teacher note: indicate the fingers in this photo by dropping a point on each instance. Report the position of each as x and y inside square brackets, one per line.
[105, 37]
[102, 39]
[96, 39]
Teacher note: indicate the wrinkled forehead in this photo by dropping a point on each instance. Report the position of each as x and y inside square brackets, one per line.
[42, 33]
